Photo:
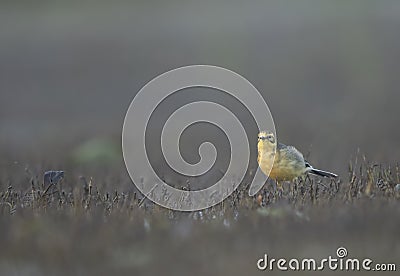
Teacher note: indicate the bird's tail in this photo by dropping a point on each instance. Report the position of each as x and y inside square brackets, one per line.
[322, 173]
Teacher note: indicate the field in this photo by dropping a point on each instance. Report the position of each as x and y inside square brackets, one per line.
[82, 226]
[68, 71]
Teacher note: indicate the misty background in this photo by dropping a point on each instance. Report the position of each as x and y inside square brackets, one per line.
[328, 70]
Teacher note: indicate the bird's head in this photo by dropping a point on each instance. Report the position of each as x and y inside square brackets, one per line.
[266, 137]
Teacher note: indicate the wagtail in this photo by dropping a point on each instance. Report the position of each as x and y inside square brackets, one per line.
[288, 163]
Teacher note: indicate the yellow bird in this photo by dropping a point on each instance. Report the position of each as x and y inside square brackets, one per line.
[288, 163]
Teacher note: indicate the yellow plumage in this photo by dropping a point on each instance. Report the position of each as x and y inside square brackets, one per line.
[286, 161]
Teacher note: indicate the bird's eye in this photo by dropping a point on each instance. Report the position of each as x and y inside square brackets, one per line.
[271, 138]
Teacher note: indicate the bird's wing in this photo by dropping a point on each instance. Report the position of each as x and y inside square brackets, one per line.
[291, 153]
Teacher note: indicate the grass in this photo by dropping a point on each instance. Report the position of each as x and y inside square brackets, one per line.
[79, 226]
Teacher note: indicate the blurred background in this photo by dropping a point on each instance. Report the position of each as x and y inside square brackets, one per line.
[329, 71]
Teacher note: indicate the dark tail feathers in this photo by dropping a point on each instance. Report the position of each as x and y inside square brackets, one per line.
[322, 173]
